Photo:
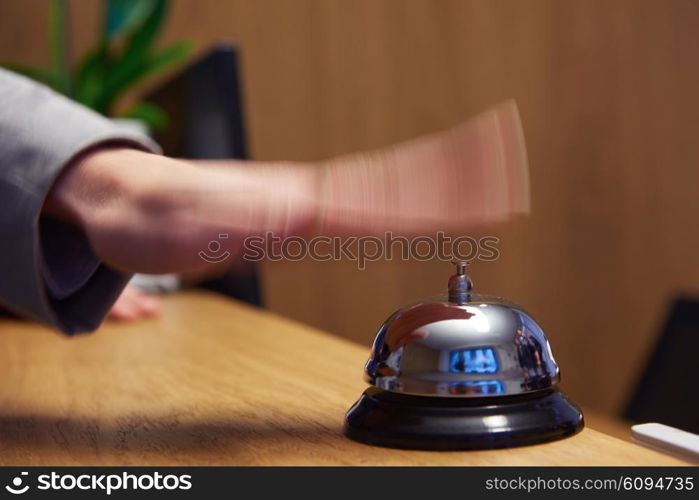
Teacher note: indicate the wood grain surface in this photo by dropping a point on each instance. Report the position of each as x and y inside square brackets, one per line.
[608, 96]
[214, 382]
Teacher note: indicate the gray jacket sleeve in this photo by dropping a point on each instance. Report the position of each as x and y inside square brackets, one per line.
[47, 270]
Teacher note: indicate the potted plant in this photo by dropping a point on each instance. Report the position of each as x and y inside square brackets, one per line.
[123, 57]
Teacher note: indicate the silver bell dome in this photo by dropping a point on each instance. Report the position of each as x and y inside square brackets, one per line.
[461, 345]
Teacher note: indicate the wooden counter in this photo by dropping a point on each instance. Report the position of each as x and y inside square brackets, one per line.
[214, 382]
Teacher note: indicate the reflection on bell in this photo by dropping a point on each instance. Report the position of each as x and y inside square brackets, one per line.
[462, 371]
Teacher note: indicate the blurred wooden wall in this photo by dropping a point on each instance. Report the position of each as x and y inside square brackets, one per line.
[608, 92]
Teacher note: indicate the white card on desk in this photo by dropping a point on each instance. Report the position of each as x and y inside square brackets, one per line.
[667, 439]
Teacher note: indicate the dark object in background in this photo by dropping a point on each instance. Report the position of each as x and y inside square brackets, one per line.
[205, 107]
[667, 392]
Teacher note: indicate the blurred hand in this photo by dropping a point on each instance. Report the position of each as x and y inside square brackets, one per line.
[134, 304]
[465, 178]
[152, 214]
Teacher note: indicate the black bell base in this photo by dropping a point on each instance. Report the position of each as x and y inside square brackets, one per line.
[394, 420]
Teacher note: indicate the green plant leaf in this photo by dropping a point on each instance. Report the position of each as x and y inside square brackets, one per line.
[146, 33]
[59, 46]
[123, 16]
[89, 77]
[168, 57]
[152, 114]
[149, 66]
[124, 70]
